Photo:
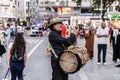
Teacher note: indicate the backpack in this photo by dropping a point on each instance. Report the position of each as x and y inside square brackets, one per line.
[18, 55]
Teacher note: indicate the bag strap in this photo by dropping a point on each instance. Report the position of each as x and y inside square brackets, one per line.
[53, 51]
[7, 73]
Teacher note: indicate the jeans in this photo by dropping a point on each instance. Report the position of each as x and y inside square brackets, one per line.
[100, 48]
[16, 70]
[57, 73]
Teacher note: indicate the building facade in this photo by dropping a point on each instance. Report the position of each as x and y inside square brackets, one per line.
[63, 9]
[7, 11]
[40, 10]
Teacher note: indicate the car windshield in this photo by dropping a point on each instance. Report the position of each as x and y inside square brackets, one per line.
[35, 27]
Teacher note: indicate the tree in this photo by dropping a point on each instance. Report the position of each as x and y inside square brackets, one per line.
[78, 2]
[96, 6]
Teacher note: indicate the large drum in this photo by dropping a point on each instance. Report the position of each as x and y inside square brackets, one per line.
[73, 59]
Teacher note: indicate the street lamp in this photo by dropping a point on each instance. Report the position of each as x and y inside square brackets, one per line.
[101, 9]
[101, 12]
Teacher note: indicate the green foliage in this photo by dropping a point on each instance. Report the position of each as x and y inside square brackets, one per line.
[79, 2]
[118, 6]
[96, 6]
[115, 17]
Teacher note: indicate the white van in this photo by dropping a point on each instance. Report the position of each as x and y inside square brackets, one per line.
[34, 30]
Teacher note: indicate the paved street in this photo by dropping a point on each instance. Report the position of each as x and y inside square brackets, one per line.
[38, 64]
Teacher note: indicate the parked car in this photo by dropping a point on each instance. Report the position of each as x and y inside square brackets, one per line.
[34, 30]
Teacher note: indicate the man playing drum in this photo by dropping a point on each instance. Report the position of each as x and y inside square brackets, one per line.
[59, 44]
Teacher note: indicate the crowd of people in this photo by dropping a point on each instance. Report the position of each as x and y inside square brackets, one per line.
[104, 33]
[13, 43]
[61, 37]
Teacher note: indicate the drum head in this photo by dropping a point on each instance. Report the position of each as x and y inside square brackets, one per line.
[68, 62]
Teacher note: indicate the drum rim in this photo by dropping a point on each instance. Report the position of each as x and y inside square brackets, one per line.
[62, 60]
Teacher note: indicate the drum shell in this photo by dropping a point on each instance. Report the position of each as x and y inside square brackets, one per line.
[80, 57]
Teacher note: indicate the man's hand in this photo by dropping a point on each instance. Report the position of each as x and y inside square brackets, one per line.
[76, 32]
[106, 35]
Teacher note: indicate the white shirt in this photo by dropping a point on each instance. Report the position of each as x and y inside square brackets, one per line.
[101, 31]
[7, 32]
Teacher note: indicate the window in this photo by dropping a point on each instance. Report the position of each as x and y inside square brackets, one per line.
[27, 3]
[74, 0]
[111, 9]
[26, 10]
[37, 2]
[15, 2]
[18, 4]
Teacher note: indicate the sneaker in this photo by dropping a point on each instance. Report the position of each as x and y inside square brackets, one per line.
[118, 60]
[98, 63]
[117, 65]
[104, 63]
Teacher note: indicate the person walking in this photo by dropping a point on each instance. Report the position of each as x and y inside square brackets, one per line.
[2, 36]
[113, 43]
[16, 57]
[2, 51]
[59, 44]
[7, 34]
[117, 47]
[102, 35]
[2, 42]
[89, 44]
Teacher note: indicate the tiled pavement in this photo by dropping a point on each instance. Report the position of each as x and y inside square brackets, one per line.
[93, 71]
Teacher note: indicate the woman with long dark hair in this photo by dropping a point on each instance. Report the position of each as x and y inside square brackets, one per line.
[16, 57]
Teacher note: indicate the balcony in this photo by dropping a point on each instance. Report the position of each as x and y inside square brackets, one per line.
[63, 3]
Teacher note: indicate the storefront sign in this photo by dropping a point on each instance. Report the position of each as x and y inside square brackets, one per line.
[64, 10]
[115, 19]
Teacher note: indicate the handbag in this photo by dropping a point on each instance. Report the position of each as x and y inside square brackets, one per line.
[2, 50]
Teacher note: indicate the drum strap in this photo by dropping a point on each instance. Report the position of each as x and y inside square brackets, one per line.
[53, 51]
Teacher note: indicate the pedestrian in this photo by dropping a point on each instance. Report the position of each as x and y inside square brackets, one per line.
[12, 32]
[7, 34]
[113, 43]
[48, 49]
[16, 57]
[102, 35]
[2, 36]
[2, 51]
[59, 44]
[118, 45]
[89, 44]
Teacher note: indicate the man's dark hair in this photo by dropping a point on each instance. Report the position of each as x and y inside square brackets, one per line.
[8, 25]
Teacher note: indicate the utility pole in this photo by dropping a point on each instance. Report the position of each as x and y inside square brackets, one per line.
[28, 15]
[101, 12]
[66, 3]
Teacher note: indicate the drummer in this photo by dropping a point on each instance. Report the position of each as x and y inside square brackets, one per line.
[59, 44]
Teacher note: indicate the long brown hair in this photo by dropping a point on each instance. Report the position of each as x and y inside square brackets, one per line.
[19, 43]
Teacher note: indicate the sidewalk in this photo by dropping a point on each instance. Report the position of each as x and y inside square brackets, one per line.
[93, 71]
